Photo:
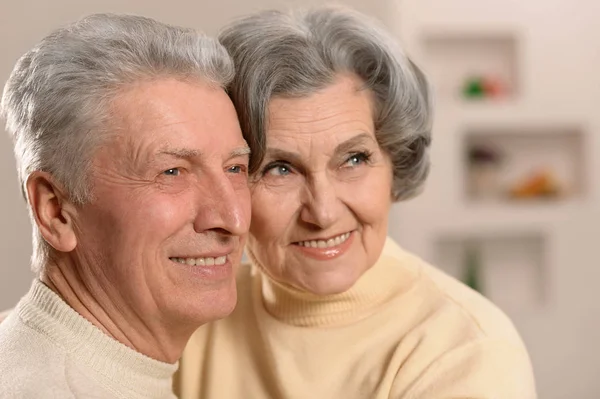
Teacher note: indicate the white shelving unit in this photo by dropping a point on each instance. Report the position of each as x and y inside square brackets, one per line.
[455, 57]
[511, 268]
[538, 256]
[553, 154]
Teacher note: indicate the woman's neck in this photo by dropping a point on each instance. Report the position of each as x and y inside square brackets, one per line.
[378, 285]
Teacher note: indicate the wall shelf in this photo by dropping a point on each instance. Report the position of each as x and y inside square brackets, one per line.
[528, 164]
[538, 254]
[511, 269]
[461, 62]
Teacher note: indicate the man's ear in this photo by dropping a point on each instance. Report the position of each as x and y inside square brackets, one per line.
[52, 210]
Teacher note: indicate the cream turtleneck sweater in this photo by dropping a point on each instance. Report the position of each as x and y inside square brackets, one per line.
[47, 350]
[404, 330]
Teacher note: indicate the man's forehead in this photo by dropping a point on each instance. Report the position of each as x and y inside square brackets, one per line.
[241, 149]
[176, 119]
[179, 139]
[164, 104]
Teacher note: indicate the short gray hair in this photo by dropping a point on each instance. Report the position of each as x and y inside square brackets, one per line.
[296, 54]
[56, 101]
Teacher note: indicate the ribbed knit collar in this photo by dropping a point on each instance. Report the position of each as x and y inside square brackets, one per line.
[124, 368]
[381, 283]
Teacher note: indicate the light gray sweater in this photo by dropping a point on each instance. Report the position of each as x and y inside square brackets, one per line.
[48, 350]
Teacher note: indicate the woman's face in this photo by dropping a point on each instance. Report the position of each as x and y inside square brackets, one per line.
[321, 198]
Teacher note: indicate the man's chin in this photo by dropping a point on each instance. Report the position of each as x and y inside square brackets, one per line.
[213, 307]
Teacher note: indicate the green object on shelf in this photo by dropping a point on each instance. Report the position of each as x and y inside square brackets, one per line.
[472, 270]
[474, 88]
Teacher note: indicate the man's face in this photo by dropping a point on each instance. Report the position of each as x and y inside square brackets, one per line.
[171, 206]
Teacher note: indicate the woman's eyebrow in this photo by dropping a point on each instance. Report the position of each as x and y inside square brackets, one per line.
[274, 153]
[352, 143]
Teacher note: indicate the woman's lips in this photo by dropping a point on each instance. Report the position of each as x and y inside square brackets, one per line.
[326, 249]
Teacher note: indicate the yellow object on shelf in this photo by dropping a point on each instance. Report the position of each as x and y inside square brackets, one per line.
[540, 184]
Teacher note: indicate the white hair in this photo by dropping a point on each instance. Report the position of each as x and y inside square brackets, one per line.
[279, 54]
[55, 102]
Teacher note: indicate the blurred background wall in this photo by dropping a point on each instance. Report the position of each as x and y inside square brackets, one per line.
[512, 205]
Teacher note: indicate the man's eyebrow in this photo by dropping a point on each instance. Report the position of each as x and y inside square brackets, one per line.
[350, 144]
[240, 152]
[182, 153]
[186, 153]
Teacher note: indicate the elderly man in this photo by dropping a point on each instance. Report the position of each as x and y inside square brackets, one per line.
[134, 168]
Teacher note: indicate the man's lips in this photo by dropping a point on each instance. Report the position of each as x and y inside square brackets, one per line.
[201, 260]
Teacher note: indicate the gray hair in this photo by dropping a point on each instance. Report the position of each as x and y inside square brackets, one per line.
[56, 101]
[296, 54]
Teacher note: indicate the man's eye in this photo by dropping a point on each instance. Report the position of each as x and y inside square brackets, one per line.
[172, 172]
[237, 169]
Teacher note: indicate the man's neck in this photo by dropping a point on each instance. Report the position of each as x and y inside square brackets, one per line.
[143, 333]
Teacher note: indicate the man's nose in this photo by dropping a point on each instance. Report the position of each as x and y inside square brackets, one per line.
[223, 206]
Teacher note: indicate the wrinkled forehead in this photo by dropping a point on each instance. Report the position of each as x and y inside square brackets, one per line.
[165, 103]
[323, 120]
[173, 115]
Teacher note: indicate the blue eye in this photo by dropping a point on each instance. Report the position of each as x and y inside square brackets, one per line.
[172, 172]
[357, 159]
[237, 169]
[277, 169]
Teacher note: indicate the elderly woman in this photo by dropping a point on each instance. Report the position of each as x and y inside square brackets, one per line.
[134, 168]
[329, 306]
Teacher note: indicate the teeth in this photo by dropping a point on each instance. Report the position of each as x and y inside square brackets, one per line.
[220, 260]
[332, 242]
[210, 261]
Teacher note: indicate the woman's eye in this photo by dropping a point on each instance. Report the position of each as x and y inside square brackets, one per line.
[172, 172]
[277, 169]
[357, 159]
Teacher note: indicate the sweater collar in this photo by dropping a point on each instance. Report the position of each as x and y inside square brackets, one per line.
[123, 367]
[381, 283]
